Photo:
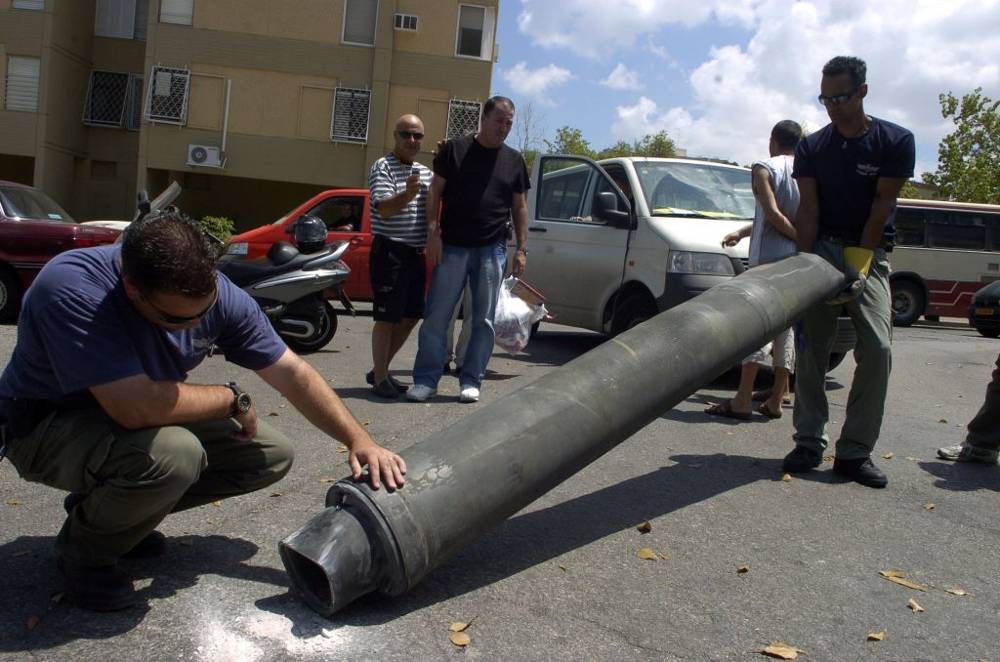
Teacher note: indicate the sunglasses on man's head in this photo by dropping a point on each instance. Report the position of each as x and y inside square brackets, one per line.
[411, 134]
[168, 318]
[836, 99]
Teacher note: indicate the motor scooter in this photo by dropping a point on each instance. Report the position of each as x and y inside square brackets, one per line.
[290, 288]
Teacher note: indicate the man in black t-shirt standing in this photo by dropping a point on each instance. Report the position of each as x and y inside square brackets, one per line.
[481, 183]
[849, 174]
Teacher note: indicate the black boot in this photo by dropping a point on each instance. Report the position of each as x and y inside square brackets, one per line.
[98, 588]
[861, 470]
[801, 459]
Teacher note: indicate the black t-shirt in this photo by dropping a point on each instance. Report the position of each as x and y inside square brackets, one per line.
[479, 192]
[846, 171]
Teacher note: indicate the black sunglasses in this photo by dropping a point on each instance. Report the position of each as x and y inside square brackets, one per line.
[411, 134]
[836, 99]
[178, 319]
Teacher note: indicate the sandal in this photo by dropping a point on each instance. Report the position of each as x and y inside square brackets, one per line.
[764, 410]
[761, 396]
[725, 410]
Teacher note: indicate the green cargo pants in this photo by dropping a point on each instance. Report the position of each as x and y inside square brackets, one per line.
[871, 314]
[135, 478]
[984, 429]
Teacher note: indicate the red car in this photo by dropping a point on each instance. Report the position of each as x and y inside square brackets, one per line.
[345, 213]
[33, 229]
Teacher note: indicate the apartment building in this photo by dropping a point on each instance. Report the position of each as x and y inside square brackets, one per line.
[252, 105]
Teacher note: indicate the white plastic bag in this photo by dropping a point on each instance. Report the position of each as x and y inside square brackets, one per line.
[514, 318]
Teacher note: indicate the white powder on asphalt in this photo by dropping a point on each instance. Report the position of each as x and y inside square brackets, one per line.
[255, 634]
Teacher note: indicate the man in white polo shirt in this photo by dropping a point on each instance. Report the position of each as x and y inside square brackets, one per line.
[398, 190]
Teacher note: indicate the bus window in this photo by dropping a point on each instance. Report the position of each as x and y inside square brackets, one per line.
[956, 230]
[993, 232]
[909, 227]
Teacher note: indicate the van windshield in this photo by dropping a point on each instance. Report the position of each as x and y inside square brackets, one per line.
[696, 190]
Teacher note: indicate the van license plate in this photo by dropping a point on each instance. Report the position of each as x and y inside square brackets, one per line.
[985, 311]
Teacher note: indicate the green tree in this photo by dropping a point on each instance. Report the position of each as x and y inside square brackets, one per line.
[658, 144]
[570, 141]
[620, 148]
[969, 157]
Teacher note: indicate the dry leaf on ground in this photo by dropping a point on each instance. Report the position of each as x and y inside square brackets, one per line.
[957, 591]
[781, 650]
[272, 413]
[787, 477]
[876, 636]
[645, 527]
[458, 627]
[928, 506]
[217, 504]
[328, 480]
[460, 639]
[31, 622]
[13, 502]
[943, 420]
[275, 494]
[897, 577]
[342, 448]
[563, 568]
[888, 456]
[743, 568]
[648, 554]
[914, 606]
[828, 458]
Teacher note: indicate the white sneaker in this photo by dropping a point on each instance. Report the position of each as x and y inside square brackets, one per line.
[469, 394]
[420, 393]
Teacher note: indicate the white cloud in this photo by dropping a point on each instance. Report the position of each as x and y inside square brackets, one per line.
[914, 52]
[589, 28]
[535, 83]
[622, 78]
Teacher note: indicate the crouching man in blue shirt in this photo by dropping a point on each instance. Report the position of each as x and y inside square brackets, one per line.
[94, 399]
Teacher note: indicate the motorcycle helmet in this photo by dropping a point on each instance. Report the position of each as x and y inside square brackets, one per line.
[310, 234]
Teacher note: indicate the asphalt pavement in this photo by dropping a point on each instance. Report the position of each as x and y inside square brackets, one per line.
[742, 557]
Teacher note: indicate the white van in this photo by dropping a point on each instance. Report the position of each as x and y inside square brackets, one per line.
[614, 243]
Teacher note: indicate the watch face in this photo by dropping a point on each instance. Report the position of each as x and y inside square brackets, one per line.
[243, 402]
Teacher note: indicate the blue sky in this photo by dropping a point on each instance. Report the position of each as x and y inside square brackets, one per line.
[717, 74]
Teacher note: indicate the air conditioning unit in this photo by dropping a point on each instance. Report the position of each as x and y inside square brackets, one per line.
[205, 156]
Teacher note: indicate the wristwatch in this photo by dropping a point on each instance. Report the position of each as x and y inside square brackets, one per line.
[241, 400]
[521, 249]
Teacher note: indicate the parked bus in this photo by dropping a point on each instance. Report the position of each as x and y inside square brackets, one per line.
[944, 252]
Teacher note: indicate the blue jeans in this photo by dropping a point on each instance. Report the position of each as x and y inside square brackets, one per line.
[482, 267]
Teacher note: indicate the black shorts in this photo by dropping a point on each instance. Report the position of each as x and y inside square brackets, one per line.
[397, 274]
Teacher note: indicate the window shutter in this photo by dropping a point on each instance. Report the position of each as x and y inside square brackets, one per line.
[168, 95]
[37, 5]
[359, 21]
[22, 83]
[141, 19]
[114, 18]
[350, 115]
[463, 118]
[105, 104]
[133, 103]
[471, 21]
[176, 11]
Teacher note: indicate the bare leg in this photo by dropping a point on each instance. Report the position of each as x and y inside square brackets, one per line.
[778, 390]
[741, 402]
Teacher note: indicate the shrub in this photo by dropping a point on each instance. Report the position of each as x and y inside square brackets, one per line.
[219, 226]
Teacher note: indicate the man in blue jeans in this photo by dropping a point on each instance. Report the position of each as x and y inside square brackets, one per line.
[481, 183]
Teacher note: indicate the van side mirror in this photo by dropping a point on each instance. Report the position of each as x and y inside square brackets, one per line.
[606, 208]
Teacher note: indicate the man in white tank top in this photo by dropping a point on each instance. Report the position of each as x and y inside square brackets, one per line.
[772, 237]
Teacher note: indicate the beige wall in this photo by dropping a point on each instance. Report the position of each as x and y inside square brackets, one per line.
[21, 31]
[437, 23]
[311, 20]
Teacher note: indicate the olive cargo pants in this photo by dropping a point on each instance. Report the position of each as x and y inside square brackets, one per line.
[871, 315]
[135, 478]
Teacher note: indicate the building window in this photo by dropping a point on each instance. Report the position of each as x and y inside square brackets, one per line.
[405, 22]
[36, 5]
[463, 118]
[350, 115]
[180, 12]
[359, 22]
[168, 95]
[475, 32]
[22, 83]
[106, 95]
